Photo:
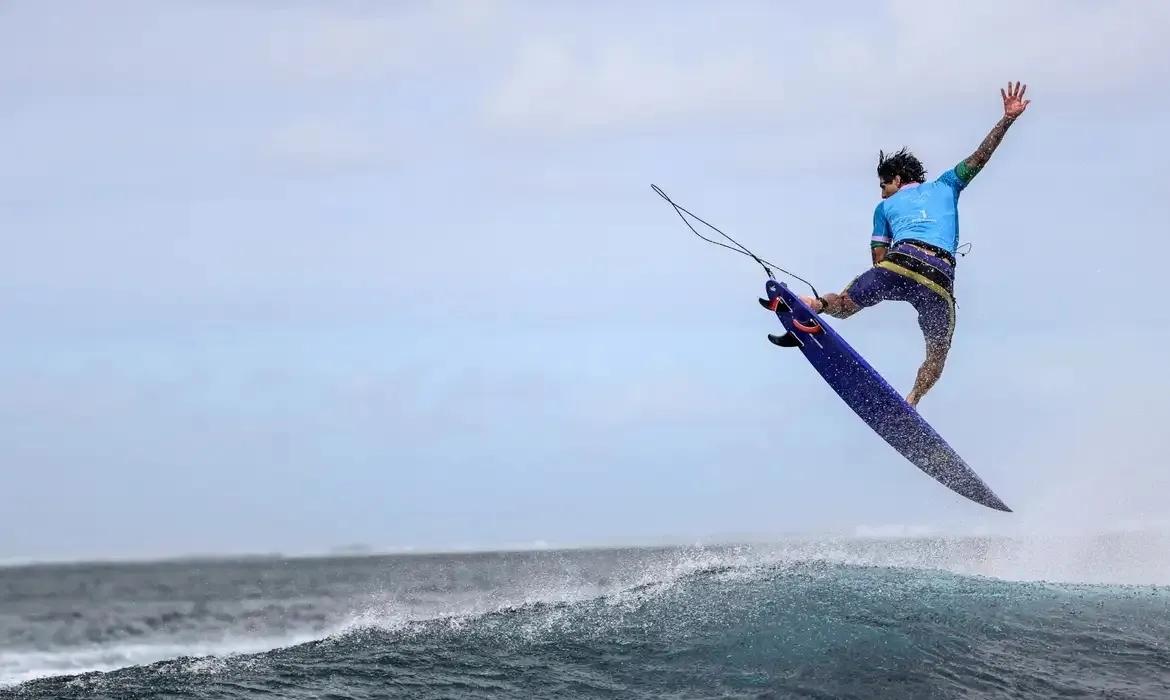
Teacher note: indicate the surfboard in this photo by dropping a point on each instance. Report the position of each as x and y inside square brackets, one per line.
[872, 398]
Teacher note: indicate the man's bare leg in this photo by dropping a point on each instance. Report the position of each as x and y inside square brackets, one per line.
[929, 372]
[838, 305]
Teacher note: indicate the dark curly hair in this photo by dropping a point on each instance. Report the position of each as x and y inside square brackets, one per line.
[903, 163]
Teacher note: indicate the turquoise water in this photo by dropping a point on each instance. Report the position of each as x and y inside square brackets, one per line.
[587, 624]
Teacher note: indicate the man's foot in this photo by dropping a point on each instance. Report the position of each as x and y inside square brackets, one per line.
[913, 398]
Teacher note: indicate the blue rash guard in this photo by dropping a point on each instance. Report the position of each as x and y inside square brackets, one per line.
[927, 212]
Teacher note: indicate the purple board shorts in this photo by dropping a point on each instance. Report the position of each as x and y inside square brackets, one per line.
[911, 274]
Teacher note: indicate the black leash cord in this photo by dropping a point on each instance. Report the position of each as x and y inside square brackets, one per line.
[738, 247]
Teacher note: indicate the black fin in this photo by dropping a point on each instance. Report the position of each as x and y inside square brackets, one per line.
[788, 340]
[780, 305]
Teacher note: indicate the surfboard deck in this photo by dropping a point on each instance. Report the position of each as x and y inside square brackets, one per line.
[872, 398]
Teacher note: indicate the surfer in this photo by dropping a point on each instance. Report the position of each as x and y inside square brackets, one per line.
[915, 234]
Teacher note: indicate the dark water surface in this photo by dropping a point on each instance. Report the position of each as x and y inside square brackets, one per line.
[848, 620]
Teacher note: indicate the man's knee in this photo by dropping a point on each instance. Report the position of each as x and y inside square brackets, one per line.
[936, 352]
[936, 331]
[845, 306]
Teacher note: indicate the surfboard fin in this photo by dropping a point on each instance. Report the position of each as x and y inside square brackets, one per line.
[813, 326]
[788, 340]
[776, 304]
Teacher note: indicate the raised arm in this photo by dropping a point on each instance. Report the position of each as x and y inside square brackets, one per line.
[1014, 105]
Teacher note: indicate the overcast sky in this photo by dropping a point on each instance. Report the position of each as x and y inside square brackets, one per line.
[284, 276]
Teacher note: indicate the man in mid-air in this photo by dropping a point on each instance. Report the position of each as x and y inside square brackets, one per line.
[915, 234]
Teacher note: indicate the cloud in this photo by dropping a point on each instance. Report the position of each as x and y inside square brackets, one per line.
[134, 43]
[164, 214]
[906, 59]
[570, 86]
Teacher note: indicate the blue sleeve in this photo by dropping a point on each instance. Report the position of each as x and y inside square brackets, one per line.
[881, 230]
[952, 180]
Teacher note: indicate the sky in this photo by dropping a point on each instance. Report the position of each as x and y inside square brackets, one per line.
[290, 276]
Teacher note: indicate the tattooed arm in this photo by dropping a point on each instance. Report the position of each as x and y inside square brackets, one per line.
[1014, 105]
[973, 163]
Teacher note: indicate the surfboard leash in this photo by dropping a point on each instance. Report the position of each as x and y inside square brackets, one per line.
[739, 248]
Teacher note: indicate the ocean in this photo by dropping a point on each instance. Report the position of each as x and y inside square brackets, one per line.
[898, 618]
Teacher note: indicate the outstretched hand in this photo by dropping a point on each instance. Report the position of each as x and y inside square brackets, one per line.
[1014, 103]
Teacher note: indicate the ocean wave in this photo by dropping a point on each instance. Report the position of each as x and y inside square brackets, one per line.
[712, 626]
